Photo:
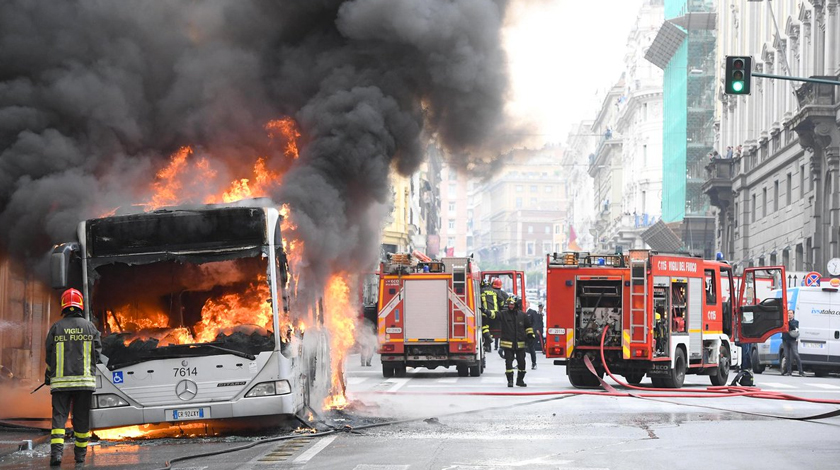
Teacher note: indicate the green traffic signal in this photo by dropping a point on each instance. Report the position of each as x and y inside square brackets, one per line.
[737, 75]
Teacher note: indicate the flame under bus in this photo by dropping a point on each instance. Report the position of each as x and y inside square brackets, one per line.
[194, 315]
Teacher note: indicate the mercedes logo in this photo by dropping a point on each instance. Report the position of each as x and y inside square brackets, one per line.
[186, 390]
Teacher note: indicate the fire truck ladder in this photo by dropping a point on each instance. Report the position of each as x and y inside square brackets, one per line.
[458, 297]
[638, 299]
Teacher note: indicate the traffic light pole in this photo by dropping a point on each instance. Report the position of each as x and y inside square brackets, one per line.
[796, 79]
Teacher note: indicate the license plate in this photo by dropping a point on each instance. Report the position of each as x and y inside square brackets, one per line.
[187, 413]
[812, 345]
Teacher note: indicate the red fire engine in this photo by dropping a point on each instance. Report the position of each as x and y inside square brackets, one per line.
[664, 315]
[513, 282]
[427, 315]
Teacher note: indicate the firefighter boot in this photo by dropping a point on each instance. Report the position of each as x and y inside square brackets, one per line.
[80, 454]
[55, 454]
[520, 379]
[510, 378]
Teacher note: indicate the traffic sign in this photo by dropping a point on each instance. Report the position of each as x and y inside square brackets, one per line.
[812, 279]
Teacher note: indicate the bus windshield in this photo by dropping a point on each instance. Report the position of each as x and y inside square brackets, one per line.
[182, 307]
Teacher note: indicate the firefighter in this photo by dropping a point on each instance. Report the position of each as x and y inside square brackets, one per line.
[73, 349]
[500, 301]
[516, 332]
[487, 315]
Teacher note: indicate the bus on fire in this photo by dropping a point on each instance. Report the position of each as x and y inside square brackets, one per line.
[194, 310]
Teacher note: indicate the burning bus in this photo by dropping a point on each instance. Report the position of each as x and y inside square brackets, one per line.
[194, 309]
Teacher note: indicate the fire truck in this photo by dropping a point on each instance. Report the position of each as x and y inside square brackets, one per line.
[427, 315]
[665, 315]
[513, 282]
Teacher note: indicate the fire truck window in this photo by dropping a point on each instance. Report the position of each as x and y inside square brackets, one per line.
[678, 306]
[711, 283]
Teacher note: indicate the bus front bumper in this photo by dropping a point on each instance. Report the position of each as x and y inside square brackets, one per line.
[102, 418]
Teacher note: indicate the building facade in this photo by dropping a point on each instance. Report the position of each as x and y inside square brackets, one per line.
[776, 186]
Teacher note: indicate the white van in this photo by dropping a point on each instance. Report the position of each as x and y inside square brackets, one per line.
[818, 312]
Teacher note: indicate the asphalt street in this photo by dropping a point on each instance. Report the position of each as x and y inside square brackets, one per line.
[417, 423]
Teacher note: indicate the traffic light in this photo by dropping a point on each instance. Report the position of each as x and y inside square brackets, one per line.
[738, 74]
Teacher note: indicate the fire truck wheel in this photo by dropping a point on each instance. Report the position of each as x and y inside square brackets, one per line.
[475, 371]
[387, 370]
[720, 375]
[462, 370]
[399, 370]
[634, 378]
[677, 376]
[584, 380]
[757, 366]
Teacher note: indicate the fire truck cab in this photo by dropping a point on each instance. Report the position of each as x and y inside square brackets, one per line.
[513, 282]
[427, 315]
[665, 315]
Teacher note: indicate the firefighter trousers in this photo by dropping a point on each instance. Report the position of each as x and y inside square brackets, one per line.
[62, 402]
[519, 354]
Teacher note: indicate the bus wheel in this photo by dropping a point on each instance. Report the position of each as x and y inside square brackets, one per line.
[475, 371]
[720, 374]
[757, 366]
[677, 375]
[387, 370]
[462, 370]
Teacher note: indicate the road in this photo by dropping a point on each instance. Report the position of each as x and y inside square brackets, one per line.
[437, 430]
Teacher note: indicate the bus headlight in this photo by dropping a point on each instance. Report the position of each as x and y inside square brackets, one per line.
[109, 400]
[267, 389]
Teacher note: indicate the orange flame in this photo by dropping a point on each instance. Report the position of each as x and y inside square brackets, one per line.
[341, 322]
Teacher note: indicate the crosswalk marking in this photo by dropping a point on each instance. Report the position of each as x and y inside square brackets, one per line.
[773, 384]
[825, 386]
[313, 451]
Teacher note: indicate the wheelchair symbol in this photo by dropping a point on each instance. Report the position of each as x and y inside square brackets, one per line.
[117, 377]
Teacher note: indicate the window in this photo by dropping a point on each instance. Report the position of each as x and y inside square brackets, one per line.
[549, 188]
[529, 248]
[775, 196]
[737, 215]
[644, 202]
[711, 287]
[520, 188]
[547, 230]
[557, 229]
[453, 176]
[752, 213]
[453, 190]
[533, 202]
[546, 248]
[451, 224]
[519, 203]
[530, 229]
[450, 242]
[451, 207]
[801, 181]
[789, 189]
[765, 202]
[533, 188]
[644, 112]
[644, 154]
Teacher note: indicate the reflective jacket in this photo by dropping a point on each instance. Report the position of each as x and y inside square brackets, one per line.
[73, 349]
[516, 328]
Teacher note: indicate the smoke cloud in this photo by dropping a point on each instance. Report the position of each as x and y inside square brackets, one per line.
[95, 97]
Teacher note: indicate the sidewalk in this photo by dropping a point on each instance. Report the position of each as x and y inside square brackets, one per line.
[14, 438]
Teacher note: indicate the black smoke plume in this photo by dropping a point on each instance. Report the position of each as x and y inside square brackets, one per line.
[95, 96]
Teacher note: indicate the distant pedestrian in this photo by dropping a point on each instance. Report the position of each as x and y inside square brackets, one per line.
[366, 339]
[729, 152]
[535, 319]
[791, 348]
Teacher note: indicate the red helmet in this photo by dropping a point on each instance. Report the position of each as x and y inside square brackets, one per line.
[497, 283]
[72, 298]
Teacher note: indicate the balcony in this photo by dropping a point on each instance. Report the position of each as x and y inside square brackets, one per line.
[718, 184]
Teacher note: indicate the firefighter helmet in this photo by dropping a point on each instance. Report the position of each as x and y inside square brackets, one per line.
[511, 300]
[70, 299]
[483, 283]
[497, 283]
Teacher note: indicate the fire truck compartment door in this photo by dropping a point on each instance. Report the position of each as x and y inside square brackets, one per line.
[760, 318]
[426, 305]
